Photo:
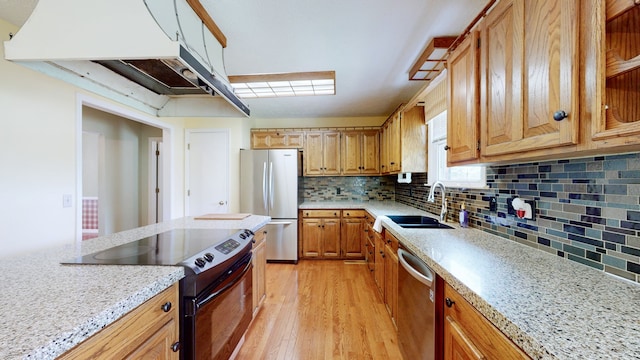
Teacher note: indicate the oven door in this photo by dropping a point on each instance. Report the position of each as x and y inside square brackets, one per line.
[221, 314]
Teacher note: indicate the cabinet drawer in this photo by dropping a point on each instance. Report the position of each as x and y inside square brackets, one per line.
[353, 213]
[320, 213]
[148, 325]
[476, 329]
[391, 240]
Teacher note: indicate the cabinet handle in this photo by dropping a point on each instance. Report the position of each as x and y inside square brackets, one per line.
[449, 302]
[447, 147]
[560, 115]
[176, 346]
[166, 306]
[388, 241]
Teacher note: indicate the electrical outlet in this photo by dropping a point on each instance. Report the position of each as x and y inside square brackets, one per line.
[66, 200]
[493, 204]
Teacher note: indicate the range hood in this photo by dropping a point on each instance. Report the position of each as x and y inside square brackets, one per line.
[162, 45]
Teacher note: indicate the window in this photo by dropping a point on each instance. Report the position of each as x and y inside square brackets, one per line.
[467, 176]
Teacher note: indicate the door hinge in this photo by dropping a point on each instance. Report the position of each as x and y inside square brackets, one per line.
[478, 44]
[188, 146]
[157, 152]
[478, 145]
[157, 191]
[188, 192]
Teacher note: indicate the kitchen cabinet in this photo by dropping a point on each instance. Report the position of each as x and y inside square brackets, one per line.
[352, 244]
[322, 153]
[463, 117]
[620, 117]
[149, 331]
[391, 275]
[404, 142]
[378, 272]
[277, 139]
[529, 77]
[320, 236]
[369, 255]
[360, 152]
[469, 335]
[259, 269]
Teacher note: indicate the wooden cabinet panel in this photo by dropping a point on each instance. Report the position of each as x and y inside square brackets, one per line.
[259, 269]
[384, 148]
[360, 152]
[313, 154]
[277, 139]
[331, 238]
[320, 213]
[352, 238]
[322, 153]
[351, 152]
[311, 238]
[529, 55]
[469, 335]
[379, 263]
[391, 281]
[370, 153]
[463, 116]
[145, 332]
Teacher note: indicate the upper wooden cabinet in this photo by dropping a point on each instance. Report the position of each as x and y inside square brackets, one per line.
[360, 152]
[463, 103]
[529, 76]
[322, 153]
[277, 139]
[620, 116]
[404, 142]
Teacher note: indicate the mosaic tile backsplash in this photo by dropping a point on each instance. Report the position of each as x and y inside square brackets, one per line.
[587, 210]
[351, 188]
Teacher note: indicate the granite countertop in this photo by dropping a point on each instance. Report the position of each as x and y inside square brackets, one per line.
[551, 307]
[49, 308]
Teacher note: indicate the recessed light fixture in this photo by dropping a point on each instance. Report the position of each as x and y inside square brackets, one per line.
[284, 84]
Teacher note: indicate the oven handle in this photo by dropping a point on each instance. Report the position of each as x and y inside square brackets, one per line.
[214, 295]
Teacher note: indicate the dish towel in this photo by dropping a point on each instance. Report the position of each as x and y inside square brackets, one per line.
[377, 225]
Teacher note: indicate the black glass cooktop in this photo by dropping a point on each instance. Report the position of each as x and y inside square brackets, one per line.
[167, 248]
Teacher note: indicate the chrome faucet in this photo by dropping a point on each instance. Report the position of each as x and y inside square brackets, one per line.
[431, 198]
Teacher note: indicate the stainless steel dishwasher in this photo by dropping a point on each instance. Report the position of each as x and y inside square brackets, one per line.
[416, 307]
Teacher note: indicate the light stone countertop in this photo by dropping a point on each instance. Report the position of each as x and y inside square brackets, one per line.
[551, 307]
[48, 308]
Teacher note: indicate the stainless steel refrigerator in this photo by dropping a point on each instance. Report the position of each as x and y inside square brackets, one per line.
[269, 187]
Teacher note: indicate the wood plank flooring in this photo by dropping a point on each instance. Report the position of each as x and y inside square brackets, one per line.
[321, 309]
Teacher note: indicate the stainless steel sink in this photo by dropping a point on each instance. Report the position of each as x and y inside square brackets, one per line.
[418, 222]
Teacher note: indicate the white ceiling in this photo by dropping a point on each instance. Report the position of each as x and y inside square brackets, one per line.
[371, 45]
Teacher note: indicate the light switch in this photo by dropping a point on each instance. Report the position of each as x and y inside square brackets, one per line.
[66, 200]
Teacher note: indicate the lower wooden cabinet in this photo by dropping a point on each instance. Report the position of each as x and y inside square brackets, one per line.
[352, 238]
[332, 234]
[378, 272]
[469, 335]
[391, 275]
[147, 332]
[321, 238]
[259, 269]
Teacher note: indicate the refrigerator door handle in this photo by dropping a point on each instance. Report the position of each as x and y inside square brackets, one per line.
[271, 184]
[264, 185]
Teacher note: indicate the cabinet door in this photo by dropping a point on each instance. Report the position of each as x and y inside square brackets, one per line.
[545, 62]
[395, 143]
[351, 152]
[391, 281]
[311, 237]
[370, 155]
[379, 263]
[259, 269]
[351, 239]
[313, 156]
[331, 238]
[331, 153]
[462, 116]
[384, 149]
[260, 140]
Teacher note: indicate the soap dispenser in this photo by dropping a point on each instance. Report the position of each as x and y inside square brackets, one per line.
[464, 216]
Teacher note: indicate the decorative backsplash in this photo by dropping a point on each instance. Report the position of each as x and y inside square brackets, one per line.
[587, 210]
[351, 188]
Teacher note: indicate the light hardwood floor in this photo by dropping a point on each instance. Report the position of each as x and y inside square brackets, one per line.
[321, 309]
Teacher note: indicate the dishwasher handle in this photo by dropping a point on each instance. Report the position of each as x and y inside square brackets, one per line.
[415, 267]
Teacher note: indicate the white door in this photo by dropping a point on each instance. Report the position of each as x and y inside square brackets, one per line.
[207, 163]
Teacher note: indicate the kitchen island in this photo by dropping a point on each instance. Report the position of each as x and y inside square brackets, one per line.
[49, 308]
[550, 307]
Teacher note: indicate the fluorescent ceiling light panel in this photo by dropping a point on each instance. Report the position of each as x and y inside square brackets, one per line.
[284, 84]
